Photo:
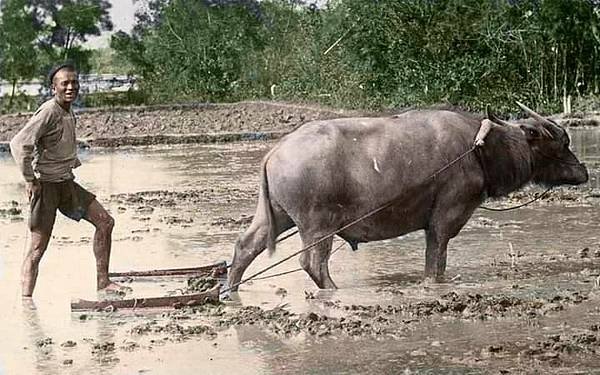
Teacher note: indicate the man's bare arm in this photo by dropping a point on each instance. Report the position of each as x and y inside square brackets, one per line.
[23, 143]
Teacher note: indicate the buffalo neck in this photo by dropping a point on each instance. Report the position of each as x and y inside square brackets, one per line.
[506, 160]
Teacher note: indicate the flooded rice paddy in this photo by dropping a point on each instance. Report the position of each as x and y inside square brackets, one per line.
[524, 293]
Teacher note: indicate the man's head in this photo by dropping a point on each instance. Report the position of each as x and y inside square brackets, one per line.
[64, 83]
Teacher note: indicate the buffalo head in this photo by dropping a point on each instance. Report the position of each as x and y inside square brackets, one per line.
[553, 161]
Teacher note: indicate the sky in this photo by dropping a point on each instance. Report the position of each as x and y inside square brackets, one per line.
[121, 15]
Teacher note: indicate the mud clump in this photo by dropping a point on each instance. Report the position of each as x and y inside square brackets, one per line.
[554, 346]
[178, 331]
[284, 322]
[469, 306]
[163, 198]
[68, 344]
[11, 211]
[231, 222]
[359, 320]
[103, 348]
[129, 346]
[44, 342]
[199, 284]
[175, 220]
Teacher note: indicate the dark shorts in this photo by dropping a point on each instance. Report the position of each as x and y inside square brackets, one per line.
[67, 196]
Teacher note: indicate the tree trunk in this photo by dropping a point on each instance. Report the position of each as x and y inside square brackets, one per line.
[12, 94]
[556, 72]
[566, 99]
[66, 46]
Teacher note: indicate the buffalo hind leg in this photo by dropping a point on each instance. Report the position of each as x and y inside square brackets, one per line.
[251, 243]
[248, 246]
[436, 253]
[316, 261]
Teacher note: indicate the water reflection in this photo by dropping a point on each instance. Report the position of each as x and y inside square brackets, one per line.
[384, 272]
[40, 344]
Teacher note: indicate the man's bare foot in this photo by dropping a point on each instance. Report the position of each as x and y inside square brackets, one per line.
[28, 303]
[114, 288]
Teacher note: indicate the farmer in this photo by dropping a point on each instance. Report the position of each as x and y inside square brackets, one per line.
[45, 151]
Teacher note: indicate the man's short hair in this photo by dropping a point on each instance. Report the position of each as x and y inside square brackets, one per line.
[66, 65]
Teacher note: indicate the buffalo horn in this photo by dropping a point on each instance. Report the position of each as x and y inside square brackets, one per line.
[538, 117]
[493, 118]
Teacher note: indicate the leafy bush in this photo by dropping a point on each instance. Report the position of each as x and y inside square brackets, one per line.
[368, 54]
[112, 99]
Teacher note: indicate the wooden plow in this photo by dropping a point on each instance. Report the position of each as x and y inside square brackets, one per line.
[216, 271]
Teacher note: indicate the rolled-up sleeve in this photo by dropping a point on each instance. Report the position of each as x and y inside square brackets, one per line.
[23, 144]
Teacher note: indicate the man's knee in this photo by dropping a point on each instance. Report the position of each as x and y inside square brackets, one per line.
[106, 223]
[103, 222]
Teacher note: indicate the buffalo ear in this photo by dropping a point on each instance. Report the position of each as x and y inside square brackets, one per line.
[531, 132]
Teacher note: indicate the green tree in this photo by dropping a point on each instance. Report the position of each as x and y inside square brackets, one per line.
[17, 43]
[367, 53]
[195, 49]
[66, 24]
[105, 60]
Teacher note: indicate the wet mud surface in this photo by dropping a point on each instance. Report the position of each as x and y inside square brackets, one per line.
[522, 293]
[552, 348]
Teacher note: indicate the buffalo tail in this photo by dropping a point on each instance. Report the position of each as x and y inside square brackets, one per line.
[271, 234]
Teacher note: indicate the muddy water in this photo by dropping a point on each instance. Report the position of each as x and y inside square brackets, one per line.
[190, 194]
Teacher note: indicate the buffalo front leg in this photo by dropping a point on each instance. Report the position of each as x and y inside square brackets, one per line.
[435, 256]
[316, 261]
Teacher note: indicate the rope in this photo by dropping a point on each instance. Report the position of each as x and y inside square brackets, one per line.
[558, 159]
[278, 241]
[519, 206]
[286, 236]
[297, 269]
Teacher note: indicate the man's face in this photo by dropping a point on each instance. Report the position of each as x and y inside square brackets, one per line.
[65, 86]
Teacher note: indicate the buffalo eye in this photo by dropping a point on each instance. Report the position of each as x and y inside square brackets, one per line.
[530, 131]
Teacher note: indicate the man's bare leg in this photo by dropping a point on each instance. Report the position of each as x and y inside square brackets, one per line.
[104, 223]
[29, 271]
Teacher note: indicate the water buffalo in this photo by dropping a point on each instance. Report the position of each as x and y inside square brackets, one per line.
[325, 174]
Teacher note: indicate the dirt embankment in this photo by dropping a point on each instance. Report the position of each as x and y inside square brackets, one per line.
[186, 123]
[204, 122]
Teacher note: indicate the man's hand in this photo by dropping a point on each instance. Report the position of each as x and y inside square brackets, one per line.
[32, 188]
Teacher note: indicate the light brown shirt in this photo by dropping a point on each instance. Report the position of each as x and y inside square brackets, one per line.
[46, 147]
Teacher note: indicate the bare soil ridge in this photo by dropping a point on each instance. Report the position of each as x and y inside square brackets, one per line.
[183, 123]
[204, 122]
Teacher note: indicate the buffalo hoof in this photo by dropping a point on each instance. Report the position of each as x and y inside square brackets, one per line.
[233, 286]
[434, 279]
[327, 285]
